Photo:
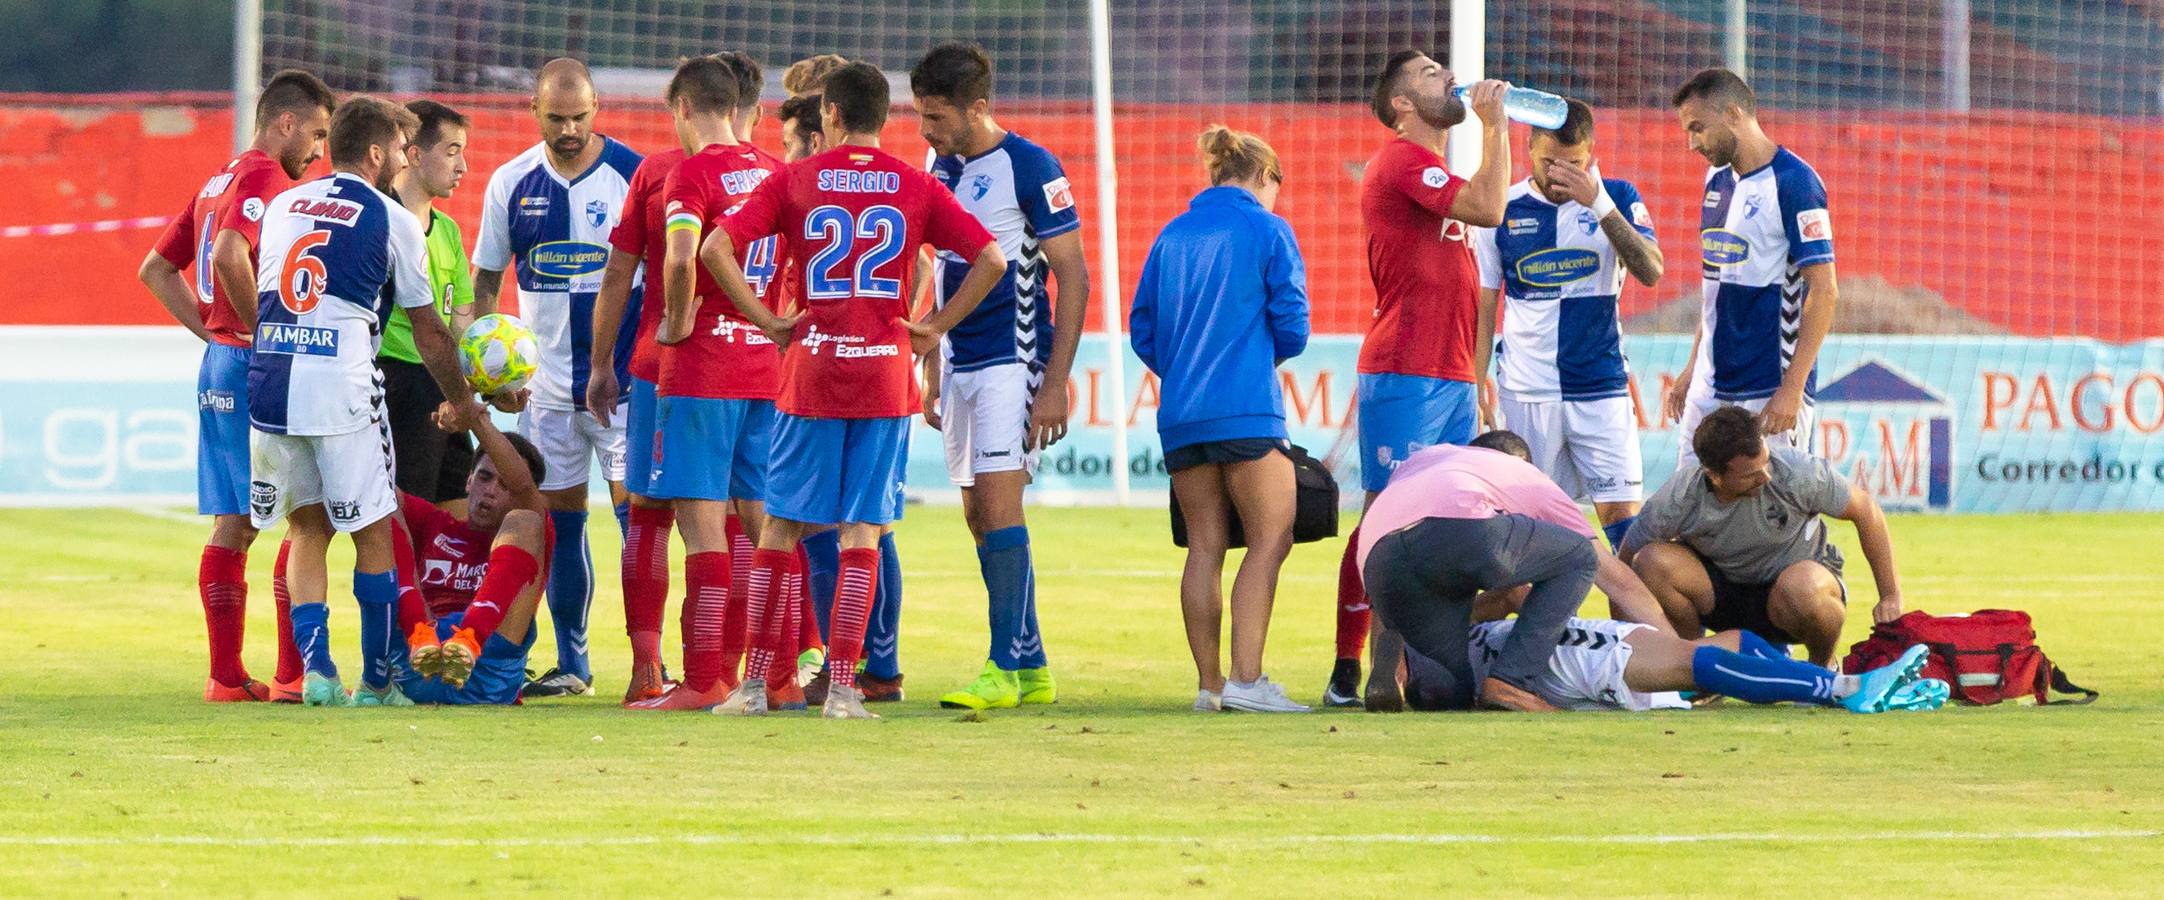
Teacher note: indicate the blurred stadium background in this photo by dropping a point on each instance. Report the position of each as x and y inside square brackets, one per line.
[1992, 167]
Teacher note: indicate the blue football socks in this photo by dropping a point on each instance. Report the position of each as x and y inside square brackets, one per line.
[312, 636]
[571, 590]
[378, 595]
[883, 637]
[1009, 584]
[1616, 531]
[1757, 679]
[822, 562]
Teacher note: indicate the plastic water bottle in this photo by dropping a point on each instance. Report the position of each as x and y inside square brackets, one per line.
[1539, 109]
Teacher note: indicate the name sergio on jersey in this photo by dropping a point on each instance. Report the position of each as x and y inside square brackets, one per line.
[567, 259]
[846, 346]
[851, 181]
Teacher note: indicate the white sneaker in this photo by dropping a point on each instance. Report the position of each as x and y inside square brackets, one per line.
[1209, 701]
[845, 702]
[749, 699]
[1261, 695]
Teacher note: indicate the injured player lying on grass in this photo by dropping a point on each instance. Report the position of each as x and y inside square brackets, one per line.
[1605, 664]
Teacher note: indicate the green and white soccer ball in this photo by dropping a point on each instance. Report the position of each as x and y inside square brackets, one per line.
[497, 354]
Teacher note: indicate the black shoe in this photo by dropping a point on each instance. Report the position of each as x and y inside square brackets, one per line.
[556, 683]
[815, 693]
[1344, 689]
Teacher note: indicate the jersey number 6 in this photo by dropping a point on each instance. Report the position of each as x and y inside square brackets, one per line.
[838, 233]
[300, 277]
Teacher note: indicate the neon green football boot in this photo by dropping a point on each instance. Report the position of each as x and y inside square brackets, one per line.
[318, 689]
[390, 695]
[1036, 686]
[995, 688]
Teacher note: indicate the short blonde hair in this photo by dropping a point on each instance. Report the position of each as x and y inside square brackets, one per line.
[1236, 156]
[805, 75]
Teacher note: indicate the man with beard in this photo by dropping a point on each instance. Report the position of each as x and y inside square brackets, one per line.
[550, 211]
[1767, 243]
[1416, 364]
[337, 252]
[216, 232]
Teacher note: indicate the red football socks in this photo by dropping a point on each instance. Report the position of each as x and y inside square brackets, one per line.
[289, 656]
[510, 571]
[769, 577]
[222, 580]
[1352, 602]
[706, 602]
[733, 637]
[646, 579]
[855, 584]
[412, 608]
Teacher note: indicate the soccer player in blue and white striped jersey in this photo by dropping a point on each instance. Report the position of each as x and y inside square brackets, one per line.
[1766, 241]
[1557, 261]
[335, 254]
[548, 214]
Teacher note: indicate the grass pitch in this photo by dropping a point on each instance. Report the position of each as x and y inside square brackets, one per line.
[116, 779]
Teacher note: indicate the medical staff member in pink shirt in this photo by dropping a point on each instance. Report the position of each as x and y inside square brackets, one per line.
[1457, 521]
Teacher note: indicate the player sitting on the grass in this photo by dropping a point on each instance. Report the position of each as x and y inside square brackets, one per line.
[1606, 664]
[1735, 540]
[482, 600]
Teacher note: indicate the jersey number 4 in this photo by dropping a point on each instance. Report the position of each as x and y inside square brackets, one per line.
[300, 277]
[837, 232]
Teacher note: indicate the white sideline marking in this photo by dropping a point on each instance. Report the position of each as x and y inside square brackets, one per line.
[167, 515]
[211, 840]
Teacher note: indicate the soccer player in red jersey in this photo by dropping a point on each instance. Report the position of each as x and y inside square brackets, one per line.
[719, 376]
[478, 579]
[854, 218]
[638, 238]
[1416, 364]
[216, 233]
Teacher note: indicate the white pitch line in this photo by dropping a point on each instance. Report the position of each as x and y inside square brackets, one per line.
[212, 840]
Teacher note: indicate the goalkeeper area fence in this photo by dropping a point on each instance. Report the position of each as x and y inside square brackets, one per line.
[1990, 165]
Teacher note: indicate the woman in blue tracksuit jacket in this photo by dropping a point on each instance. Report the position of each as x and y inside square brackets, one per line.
[1222, 301]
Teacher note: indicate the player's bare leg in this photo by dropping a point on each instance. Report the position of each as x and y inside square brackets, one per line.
[1806, 603]
[1200, 491]
[1678, 580]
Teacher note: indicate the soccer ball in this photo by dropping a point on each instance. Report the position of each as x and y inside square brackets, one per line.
[497, 354]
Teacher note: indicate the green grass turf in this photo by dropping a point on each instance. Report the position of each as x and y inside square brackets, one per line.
[118, 779]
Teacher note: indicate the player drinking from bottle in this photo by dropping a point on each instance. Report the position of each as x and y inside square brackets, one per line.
[1416, 363]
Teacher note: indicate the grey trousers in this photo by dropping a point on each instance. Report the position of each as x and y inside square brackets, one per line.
[1422, 580]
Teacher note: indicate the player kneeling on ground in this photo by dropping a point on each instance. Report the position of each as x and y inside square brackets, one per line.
[474, 652]
[1605, 664]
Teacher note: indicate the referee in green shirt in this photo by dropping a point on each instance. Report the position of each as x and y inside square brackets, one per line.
[432, 465]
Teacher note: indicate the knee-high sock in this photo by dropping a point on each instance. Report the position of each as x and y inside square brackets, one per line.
[883, 633]
[1757, 679]
[412, 607]
[706, 605]
[854, 589]
[222, 580]
[1004, 560]
[623, 518]
[646, 579]
[378, 596]
[1352, 602]
[1616, 531]
[806, 619]
[571, 589]
[782, 669]
[823, 560]
[510, 570]
[767, 582]
[312, 638]
[736, 615]
[1753, 645]
[289, 656]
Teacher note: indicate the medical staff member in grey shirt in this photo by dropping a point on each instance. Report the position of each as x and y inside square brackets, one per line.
[1735, 541]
